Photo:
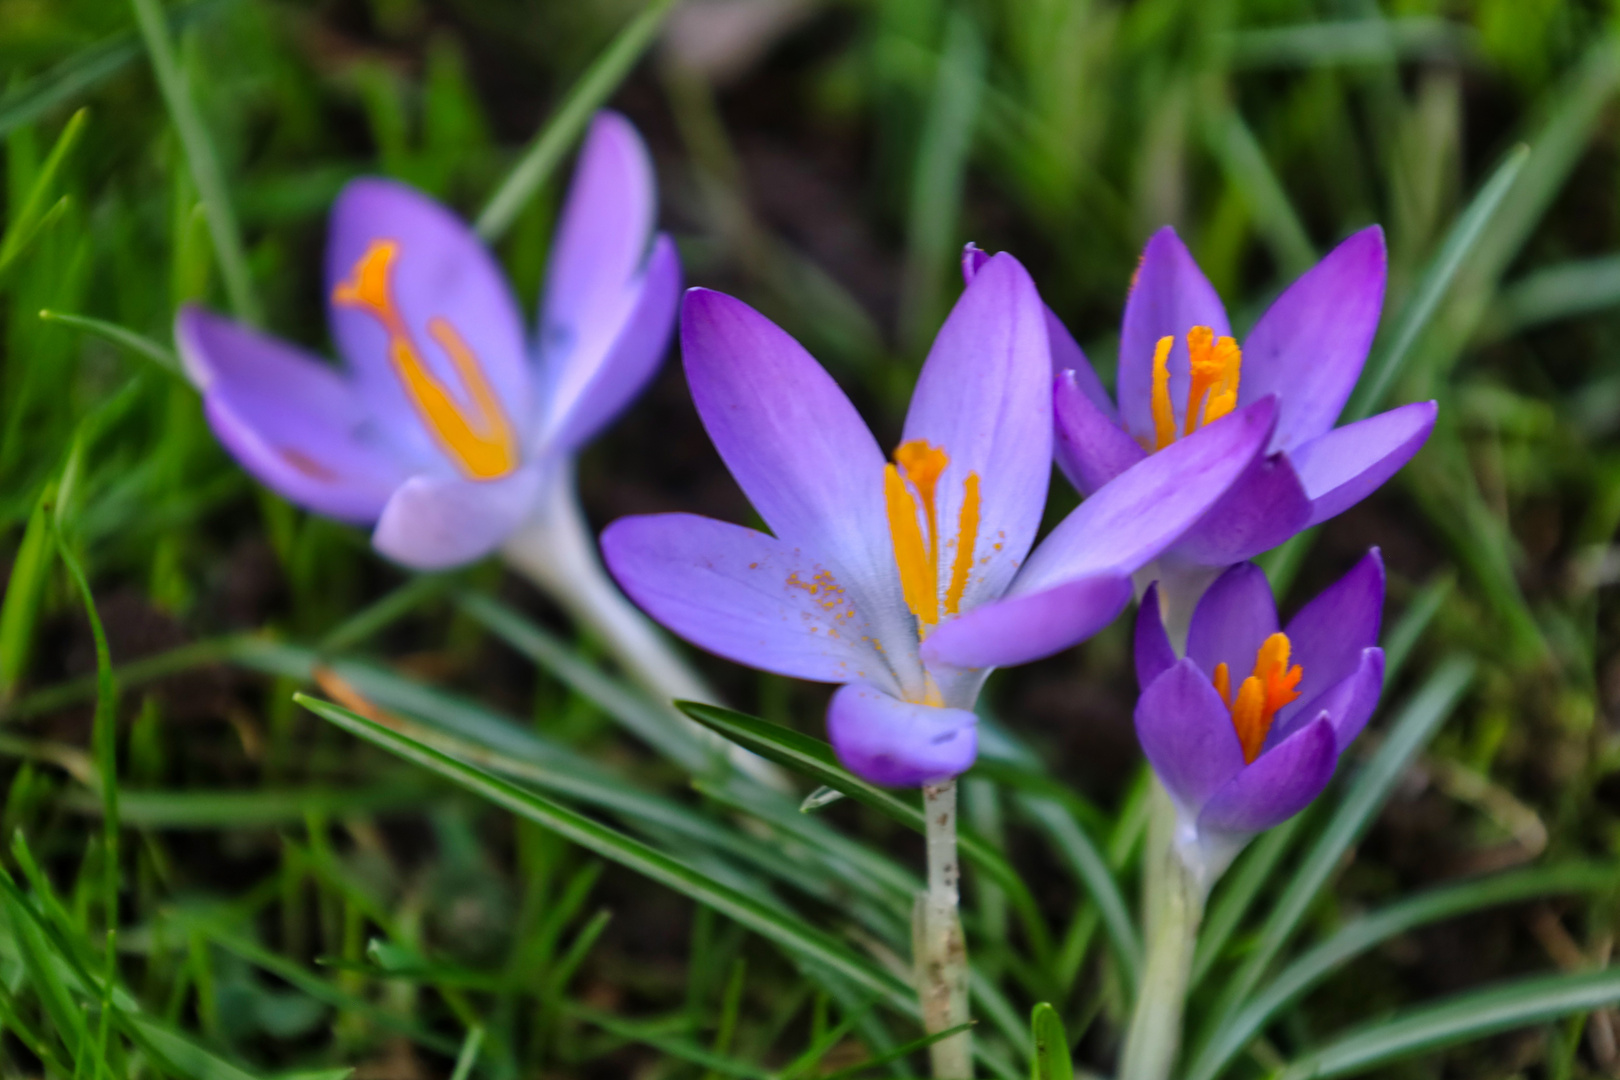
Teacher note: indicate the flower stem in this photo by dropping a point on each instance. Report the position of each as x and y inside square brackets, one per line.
[1175, 912]
[938, 944]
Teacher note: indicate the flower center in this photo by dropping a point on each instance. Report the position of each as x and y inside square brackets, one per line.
[1273, 685]
[482, 445]
[909, 489]
[1214, 367]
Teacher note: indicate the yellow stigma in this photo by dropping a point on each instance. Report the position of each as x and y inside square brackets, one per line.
[1273, 685]
[482, 445]
[910, 488]
[1213, 368]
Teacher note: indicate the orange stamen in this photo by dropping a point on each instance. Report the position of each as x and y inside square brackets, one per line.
[967, 535]
[1164, 418]
[1273, 685]
[1223, 395]
[1223, 683]
[910, 490]
[918, 581]
[1213, 369]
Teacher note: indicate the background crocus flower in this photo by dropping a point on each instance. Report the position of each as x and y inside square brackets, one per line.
[905, 580]
[1247, 728]
[1180, 368]
[448, 421]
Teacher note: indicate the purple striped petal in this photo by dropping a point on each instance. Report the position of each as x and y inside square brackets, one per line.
[1169, 296]
[290, 420]
[1186, 733]
[1231, 621]
[1279, 784]
[1348, 704]
[743, 595]
[1154, 653]
[445, 290]
[984, 397]
[1309, 346]
[1265, 507]
[1090, 445]
[1024, 628]
[437, 522]
[1330, 632]
[1344, 466]
[897, 744]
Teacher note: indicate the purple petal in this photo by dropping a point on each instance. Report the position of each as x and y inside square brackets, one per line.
[984, 397]
[1343, 467]
[1154, 653]
[1019, 629]
[1186, 733]
[437, 522]
[594, 390]
[743, 595]
[1231, 620]
[1134, 518]
[1309, 346]
[895, 743]
[443, 284]
[1279, 784]
[1348, 704]
[1330, 632]
[1266, 506]
[290, 420]
[1091, 447]
[1169, 296]
[973, 258]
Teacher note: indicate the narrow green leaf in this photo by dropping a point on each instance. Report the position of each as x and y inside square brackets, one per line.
[184, 1055]
[469, 1054]
[19, 612]
[897, 1053]
[32, 216]
[161, 355]
[1315, 45]
[1051, 1060]
[257, 808]
[1248, 170]
[587, 95]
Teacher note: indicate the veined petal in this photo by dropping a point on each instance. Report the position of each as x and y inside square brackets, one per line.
[1264, 507]
[895, 743]
[437, 522]
[1232, 619]
[1348, 704]
[1279, 784]
[596, 387]
[1346, 465]
[1169, 296]
[430, 328]
[1330, 632]
[744, 595]
[1310, 345]
[1154, 653]
[290, 420]
[1090, 445]
[1019, 629]
[1187, 735]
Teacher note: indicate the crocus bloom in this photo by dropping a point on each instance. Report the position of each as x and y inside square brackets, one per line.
[449, 421]
[1247, 728]
[904, 580]
[1180, 368]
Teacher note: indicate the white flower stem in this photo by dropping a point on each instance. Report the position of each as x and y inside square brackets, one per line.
[1173, 917]
[937, 941]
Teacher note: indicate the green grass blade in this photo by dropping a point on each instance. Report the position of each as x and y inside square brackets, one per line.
[203, 160]
[1248, 170]
[1564, 291]
[1051, 1060]
[25, 588]
[764, 920]
[897, 1053]
[35, 211]
[1369, 931]
[183, 1055]
[588, 94]
[1459, 1019]
[161, 355]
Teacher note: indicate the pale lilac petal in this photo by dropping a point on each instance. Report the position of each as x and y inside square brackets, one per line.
[1309, 346]
[1330, 632]
[1264, 507]
[984, 396]
[1024, 628]
[1154, 653]
[1344, 466]
[290, 420]
[1279, 784]
[1234, 616]
[595, 391]
[1186, 733]
[1169, 296]
[1134, 518]
[437, 522]
[895, 743]
[1090, 445]
[743, 595]
[443, 281]
[973, 258]
[1348, 704]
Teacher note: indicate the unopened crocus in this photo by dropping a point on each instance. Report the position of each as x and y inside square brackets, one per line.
[449, 421]
[1247, 728]
[905, 579]
[1180, 368]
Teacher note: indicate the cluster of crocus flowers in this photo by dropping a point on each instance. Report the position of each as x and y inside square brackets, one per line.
[450, 420]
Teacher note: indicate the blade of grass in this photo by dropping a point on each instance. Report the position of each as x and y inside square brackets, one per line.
[897, 1053]
[1244, 161]
[25, 588]
[1051, 1060]
[32, 216]
[469, 1054]
[161, 355]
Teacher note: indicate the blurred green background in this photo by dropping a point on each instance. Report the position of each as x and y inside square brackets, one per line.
[292, 900]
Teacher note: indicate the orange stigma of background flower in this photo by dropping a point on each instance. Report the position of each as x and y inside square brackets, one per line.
[1214, 367]
[1273, 685]
[910, 487]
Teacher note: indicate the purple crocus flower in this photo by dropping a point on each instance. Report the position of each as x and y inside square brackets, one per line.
[449, 421]
[1180, 368]
[1247, 728]
[905, 580]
